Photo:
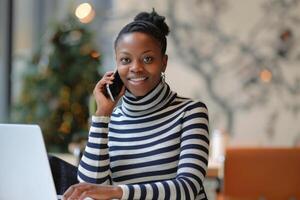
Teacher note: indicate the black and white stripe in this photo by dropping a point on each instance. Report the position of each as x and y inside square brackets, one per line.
[155, 147]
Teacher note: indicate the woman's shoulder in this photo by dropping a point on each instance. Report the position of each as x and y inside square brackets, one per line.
[194, 109]
[191, 102]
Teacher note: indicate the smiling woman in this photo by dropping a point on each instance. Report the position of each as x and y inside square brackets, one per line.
[154, 145]
[140, 62]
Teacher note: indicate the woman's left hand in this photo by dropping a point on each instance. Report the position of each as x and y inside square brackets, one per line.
[81, 191]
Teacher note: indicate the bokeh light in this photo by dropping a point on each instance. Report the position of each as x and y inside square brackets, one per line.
[85, 13]
[266, 75]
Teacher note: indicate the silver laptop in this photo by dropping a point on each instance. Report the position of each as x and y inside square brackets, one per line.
[24, 169]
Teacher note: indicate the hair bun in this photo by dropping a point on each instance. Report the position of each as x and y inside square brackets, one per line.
[154, 18]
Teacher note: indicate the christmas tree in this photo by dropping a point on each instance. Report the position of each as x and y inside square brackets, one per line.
[58, 83]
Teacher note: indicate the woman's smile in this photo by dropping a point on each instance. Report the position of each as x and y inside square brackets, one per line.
[137, 80]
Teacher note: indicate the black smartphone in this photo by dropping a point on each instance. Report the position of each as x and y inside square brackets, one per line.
[114, 89]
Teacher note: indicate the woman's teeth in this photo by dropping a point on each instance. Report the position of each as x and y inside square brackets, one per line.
[138, 79]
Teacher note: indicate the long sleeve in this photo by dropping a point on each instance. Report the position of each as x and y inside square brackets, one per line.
[94, 166]
[192, 165]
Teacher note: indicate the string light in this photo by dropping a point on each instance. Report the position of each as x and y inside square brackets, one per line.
[266, 75]
[85, 13]
[95, 54]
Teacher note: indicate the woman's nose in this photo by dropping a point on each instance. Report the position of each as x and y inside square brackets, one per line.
[136, 66]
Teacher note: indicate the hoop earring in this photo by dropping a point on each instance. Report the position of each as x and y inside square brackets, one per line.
[163, 77]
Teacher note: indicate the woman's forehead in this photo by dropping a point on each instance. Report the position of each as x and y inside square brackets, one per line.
[137, 41]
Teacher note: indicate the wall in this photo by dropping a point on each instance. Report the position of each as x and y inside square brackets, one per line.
[3, 62]
[240, 57]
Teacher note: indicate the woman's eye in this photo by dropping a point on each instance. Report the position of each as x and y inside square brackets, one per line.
[148, 60]
[125, 61]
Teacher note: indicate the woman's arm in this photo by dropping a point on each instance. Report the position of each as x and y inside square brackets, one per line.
[192, 164]
[94, 168]
[94, 164]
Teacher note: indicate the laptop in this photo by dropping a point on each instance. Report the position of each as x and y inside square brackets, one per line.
[24, 170]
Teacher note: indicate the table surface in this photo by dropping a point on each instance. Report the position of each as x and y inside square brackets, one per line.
[214, 169]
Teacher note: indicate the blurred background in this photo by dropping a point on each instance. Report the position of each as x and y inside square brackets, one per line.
[242, 58]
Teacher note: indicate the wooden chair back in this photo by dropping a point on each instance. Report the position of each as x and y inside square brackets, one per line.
[262, 173]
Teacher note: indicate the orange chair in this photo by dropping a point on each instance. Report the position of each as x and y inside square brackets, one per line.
[262, 173]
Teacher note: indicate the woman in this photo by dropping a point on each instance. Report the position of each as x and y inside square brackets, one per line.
[155, 144]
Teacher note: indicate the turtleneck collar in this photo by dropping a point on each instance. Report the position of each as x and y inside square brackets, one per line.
[151, 102]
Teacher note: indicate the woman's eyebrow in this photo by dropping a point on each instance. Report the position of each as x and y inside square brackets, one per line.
[147, 51]
[127, 53]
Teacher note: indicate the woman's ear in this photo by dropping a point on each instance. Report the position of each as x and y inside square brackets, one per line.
[164, 62]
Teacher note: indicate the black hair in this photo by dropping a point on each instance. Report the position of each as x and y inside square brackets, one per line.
[150, 23]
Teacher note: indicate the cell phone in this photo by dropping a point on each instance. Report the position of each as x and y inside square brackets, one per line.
[114, 89]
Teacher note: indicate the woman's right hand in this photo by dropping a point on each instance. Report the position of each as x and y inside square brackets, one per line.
[105, 105]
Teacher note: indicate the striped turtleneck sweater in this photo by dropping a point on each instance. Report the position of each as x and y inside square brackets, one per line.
[154, 147]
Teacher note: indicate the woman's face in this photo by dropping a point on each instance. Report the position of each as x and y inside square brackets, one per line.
[139, 62]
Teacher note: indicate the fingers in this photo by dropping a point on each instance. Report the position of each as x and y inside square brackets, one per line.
[82, 191]
[106, 79]
[87, 194]
[105, 105]
[75, 191]
[109, 73]
[68, 193]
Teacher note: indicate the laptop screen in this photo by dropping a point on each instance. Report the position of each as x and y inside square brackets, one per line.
[25, 172]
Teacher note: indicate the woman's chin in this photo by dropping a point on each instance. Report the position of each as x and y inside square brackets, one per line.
[138, 93]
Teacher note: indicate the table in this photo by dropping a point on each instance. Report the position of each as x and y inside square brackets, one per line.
[214, 169]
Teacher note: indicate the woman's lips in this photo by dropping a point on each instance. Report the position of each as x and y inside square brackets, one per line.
[137, 80]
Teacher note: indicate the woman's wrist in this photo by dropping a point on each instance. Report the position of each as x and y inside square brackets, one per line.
[117, 192]
[103, 112]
